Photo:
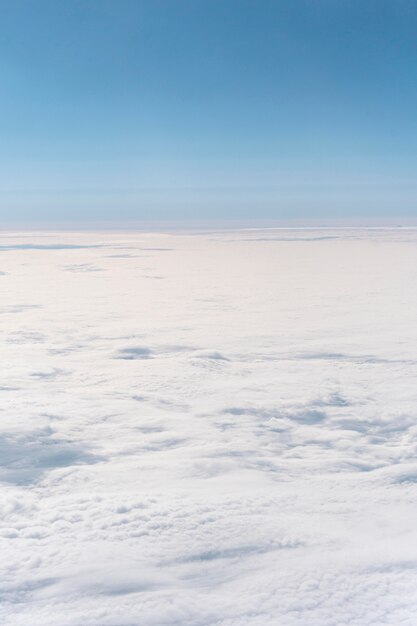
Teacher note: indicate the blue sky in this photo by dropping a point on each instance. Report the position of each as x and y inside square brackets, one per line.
[212, 109]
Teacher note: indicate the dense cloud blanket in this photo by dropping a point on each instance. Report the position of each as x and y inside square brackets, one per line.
[208, 429]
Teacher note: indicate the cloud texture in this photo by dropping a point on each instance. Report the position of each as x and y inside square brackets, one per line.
[233, 445]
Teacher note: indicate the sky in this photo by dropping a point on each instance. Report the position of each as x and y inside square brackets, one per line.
[207, 109]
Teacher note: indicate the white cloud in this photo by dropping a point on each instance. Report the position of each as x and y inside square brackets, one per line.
[232, 446]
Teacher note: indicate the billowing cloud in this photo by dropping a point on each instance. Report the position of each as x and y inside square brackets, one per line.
[232, 446]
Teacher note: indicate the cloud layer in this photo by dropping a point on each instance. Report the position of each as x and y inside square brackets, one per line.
[234, 445]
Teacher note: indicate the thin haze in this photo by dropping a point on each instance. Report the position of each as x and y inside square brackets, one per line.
[207, 109]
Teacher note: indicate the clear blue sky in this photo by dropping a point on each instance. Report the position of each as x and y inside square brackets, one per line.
[223, 109]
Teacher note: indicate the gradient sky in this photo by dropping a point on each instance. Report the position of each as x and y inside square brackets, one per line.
[223, 109]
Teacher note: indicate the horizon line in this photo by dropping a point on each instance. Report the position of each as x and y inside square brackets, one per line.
[207, 224]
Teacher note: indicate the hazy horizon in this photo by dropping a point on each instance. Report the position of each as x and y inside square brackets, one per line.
[206, 225]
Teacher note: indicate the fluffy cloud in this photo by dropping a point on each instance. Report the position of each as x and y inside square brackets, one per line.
[232, 446]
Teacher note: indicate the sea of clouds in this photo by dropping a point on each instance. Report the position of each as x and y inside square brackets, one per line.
[208, 429]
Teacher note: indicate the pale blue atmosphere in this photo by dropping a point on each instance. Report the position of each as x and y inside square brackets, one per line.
[207, 109]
